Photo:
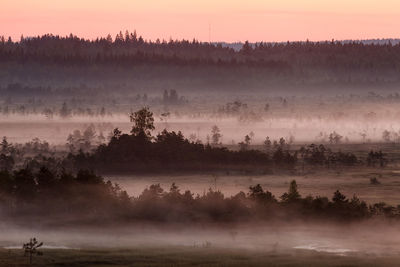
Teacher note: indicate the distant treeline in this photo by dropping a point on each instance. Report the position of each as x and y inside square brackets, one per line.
[125, 50]
[129, 48]
[62, 198]
[259, 65]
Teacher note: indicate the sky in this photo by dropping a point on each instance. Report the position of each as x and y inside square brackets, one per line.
[205, 20]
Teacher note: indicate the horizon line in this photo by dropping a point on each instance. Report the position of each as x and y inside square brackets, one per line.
[163, 40]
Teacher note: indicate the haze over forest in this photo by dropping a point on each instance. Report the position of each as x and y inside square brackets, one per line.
[122, 63]
[139, 148]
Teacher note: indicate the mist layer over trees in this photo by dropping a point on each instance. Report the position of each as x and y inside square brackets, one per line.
[140, 151]
[47, 63]
[86, 197]
[272, 119]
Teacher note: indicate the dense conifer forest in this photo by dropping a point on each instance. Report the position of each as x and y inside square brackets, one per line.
[128, 62]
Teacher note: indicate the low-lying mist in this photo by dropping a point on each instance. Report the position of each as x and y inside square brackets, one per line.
[322, 183]
[303, 119]
[368, 238]
[306, 130]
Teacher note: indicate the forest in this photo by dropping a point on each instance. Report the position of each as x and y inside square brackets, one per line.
[88, 198]
[35, 180]
[141, 151]
[171, 151]
[129, 62]
[199, 133]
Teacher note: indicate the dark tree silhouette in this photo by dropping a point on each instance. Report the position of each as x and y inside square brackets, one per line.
[292, 195]
[339, 198]
[143, 122]
[31, 247]
[215, 135]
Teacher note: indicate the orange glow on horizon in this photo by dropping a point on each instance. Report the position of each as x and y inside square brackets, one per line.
[230, 21]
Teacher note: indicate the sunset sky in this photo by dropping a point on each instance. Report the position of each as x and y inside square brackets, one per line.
[254, 20]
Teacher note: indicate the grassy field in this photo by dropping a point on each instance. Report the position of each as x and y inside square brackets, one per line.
[188, 256]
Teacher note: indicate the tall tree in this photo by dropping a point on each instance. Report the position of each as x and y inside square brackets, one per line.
[292, 195]
[143, 122]
[215, 135]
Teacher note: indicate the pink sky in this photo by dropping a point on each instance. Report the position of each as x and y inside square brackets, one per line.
[254, 20]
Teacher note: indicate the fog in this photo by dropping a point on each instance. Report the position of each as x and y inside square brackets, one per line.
[323, 183]
[304, 119]
[372, 238]
[250, 117]
[300, 130]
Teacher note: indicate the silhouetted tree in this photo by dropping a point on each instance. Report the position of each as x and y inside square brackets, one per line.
[335, 138]
[64, 111]
[143, 122]
[339, 198]
[267, 144]
[5, 145]
[6, 162]
[215, 135]
[257, 193]
[292, 195]
[245, 144]
[31, 247]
